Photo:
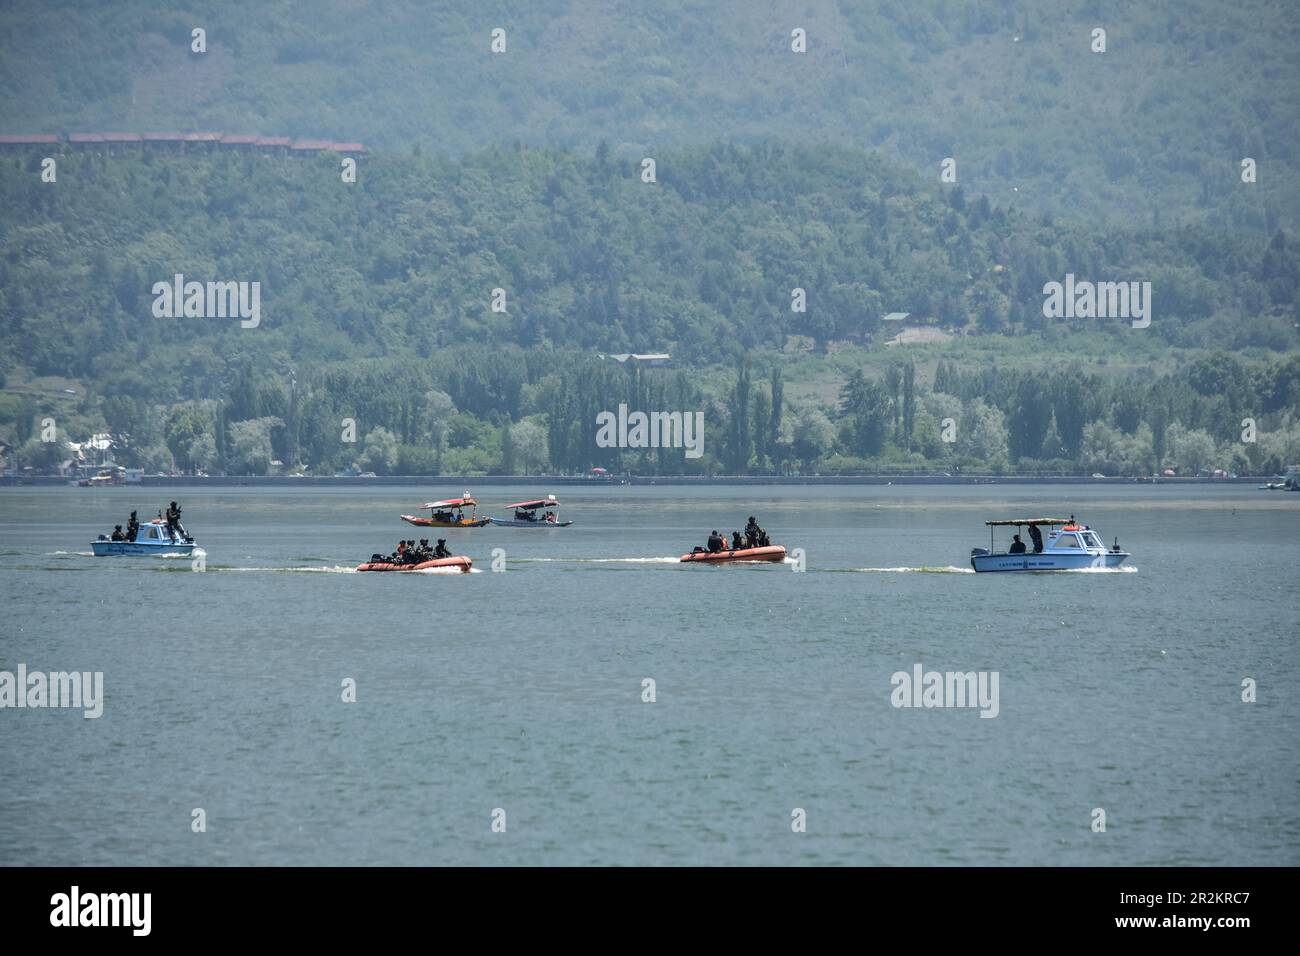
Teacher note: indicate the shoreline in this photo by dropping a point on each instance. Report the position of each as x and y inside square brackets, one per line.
[273, 481]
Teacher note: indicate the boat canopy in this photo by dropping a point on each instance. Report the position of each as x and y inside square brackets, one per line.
[465, 502]
[547, 502]
[1028, 521]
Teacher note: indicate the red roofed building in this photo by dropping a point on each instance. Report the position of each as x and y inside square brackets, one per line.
[273, 144]
[17, 143]
[85, 140]
[202, 140]
[310, 145]
[354, 148]
[117, 142]
[170, 142]
[238, 141]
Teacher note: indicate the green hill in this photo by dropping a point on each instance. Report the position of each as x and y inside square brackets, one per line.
[376, 306]
[1149, 133]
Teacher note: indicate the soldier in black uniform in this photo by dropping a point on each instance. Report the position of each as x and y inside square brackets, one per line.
[1037, 537]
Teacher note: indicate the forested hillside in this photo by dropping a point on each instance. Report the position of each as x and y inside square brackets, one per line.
[377, 307]
[1150, 132]
[702, 262]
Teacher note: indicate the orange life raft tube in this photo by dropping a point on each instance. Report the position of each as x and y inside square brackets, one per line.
[459, 561]
[773, 552]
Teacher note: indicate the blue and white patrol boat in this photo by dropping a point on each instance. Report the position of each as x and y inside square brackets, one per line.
[1070, 546]
[152, 538]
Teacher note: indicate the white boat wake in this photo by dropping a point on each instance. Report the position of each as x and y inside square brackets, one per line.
[336, 569]
[665, 560]
[950, 569]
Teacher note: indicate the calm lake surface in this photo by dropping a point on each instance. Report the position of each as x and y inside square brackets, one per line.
[522, 690]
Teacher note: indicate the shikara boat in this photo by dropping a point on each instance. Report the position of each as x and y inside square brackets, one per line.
[538, 513]
[1070, 546]
[449, 514]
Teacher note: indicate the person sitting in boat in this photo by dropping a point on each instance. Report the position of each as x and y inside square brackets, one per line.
[716, 543]
[736, 543]
[132, 527]
[443, 516]
[117, 533]
[550, 516]
[1017, 546]
[442, 551]
[399, 556]
[763, 540]
[1036, 536]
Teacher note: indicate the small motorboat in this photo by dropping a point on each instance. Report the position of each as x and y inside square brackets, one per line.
[152, 538]
[539, 513]
[1070, 546]
[457, 561]
[772, 552]
[449, 514]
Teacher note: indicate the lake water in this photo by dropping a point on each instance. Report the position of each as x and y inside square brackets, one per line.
[523, 690]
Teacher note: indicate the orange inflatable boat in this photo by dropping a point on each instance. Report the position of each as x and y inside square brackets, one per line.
[459, 561]
[773, 552]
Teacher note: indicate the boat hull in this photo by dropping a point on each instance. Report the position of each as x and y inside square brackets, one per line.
[1046, 562]
[773, 552]
[511, 523]
[112, 548]
[459, 561]
[430, 523]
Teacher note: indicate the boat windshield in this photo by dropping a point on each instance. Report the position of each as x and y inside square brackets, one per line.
[1091, 540]
[1065, 541]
